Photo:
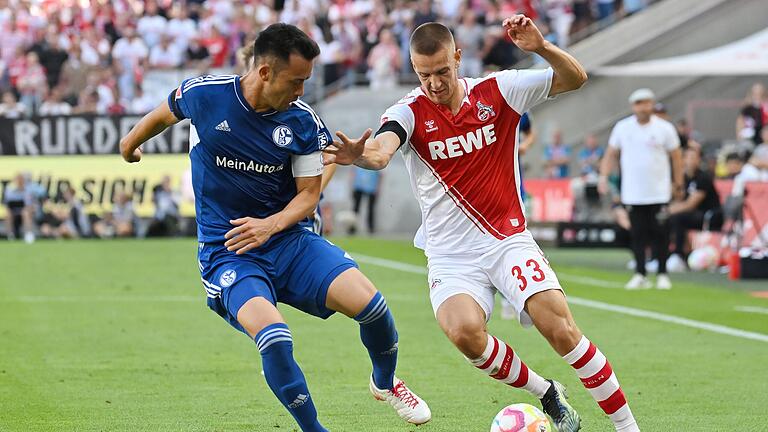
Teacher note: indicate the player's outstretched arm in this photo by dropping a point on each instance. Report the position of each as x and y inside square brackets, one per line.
[150, 125]
[569, 74]
[250, 233]
[373, 154]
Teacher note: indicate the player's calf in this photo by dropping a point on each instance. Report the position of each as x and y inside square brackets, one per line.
[501, 363]
[463, 321]
[284, 376]
[352, 294]
[378, 333]
[550, 314]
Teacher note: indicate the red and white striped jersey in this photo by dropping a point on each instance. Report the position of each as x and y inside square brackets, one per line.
[463, 167]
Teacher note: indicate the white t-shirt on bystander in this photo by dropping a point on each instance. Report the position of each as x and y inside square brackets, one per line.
[646, 174]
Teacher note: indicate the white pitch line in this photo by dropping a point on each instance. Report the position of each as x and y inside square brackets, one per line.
[396, 265]
[752, 309]
[701, 325]
[588, 280]
[716, 328]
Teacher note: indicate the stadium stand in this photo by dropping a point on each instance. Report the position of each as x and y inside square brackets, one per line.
[95, 56]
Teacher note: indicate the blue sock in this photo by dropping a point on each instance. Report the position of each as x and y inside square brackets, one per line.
[284, 376]
[378, 333]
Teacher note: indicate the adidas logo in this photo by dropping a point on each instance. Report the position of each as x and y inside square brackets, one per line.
[390, 351]
[300, 400]
[224, 126]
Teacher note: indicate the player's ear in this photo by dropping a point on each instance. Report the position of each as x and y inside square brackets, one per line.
[457, 57]
[264, 70]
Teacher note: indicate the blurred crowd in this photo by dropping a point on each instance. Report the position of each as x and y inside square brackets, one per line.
[724, 160]
[703, 206]
[60, 57]
[33, 212]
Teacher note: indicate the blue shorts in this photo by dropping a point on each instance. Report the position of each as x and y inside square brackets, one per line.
[296, 269]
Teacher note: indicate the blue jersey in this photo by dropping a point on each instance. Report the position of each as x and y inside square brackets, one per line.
[244, 162]
[314, 222]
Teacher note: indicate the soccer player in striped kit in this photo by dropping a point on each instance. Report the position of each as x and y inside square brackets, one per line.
[457, 137]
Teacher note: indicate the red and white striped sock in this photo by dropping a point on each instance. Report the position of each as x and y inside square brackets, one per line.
[597, 376]
[501, 363]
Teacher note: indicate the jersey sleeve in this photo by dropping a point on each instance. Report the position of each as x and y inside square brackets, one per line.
[182, 101]
[524, 89]
[311, 132]
[402, 115]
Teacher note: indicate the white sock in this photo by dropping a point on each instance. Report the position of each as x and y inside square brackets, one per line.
[597, 376]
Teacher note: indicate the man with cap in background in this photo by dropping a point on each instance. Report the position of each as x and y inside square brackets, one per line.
[646, 144]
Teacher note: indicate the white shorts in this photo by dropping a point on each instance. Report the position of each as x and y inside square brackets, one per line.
[516, 268]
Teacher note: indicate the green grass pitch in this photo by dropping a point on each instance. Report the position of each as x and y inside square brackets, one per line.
[116, 336]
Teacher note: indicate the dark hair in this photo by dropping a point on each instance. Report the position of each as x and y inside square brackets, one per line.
[732, 157]
[430, 38]
[281, 40]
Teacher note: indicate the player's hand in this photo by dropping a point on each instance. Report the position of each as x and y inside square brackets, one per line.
[248, 233]
[130, 157]
[524, 33]
[346, 151]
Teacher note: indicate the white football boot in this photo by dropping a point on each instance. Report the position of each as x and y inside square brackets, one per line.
[663, 282]
[676, 264]
[637, 282]
[408, 405]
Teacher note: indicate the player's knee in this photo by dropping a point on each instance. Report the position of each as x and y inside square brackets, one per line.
[470, 338]
[350, 293]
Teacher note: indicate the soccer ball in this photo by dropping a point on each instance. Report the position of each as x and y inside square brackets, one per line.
[521, 418]
[703, 258]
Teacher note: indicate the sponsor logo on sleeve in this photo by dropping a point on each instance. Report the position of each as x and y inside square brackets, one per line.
[323, 140]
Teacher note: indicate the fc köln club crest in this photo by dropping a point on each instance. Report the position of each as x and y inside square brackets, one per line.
[484, 112]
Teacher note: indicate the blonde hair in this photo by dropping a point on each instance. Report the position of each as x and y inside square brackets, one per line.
[245, 55]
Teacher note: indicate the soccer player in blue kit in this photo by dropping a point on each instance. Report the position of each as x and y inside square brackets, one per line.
[255, 150]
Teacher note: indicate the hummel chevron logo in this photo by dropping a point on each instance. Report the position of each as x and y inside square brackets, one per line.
[224, 126]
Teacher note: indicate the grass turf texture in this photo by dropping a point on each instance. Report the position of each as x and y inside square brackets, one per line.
[115, 336]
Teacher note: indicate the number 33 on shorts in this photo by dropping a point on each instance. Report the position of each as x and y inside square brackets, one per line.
[531, 270]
